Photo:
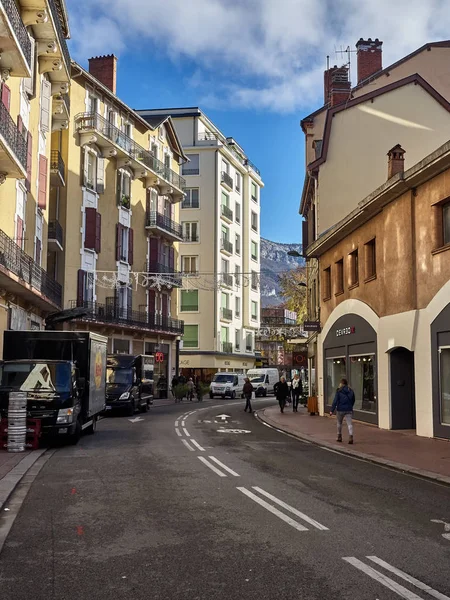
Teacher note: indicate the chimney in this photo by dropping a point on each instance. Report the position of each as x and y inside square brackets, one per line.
[104, 68]
[336, 85]
[396, 161]
[369, 57]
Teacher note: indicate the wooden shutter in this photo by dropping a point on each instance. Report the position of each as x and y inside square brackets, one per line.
[29, 161]
[100, 175]
[305, 242]
[83, 166]
[151, 305]
[118, 241]
[171, 257]
[81, 279]
[130, 246]
[119, 188]
[6, 96]
[129, 301]
[165, 305]
[28, 82]
[98, 232]
[154, 249]
[20, 124]
[19, 236]
[38, 249]
[45, 105]
[42, 188]
[90, 228]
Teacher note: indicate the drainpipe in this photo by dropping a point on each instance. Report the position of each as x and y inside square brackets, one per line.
[216, 162]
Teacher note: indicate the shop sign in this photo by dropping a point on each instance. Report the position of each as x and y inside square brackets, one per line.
[227, 363]
[345, 331]
[311, 326]
[159, 357]
[300, 359]
[244, 364]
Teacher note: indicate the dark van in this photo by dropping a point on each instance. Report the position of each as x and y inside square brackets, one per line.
[129, 382]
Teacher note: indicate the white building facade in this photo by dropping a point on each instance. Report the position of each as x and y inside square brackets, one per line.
[220, 216]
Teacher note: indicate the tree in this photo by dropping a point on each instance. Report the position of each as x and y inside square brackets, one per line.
[293, 293]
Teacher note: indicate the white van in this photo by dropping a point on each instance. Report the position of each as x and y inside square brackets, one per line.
[263, 380]
[227, 384]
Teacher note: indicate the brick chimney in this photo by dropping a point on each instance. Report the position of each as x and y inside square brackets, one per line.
[104, 68]
[369, 57]
[336, 85]
[396, 161]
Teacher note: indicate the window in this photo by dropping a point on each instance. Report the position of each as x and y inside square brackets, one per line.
[224, 338]
[121, 346]
[46, 95]
[167, 161]
[238, 213]
[192, 167]
[90, 170]
[92, 229]
[225, 167]
[339, 276]
[192, 199]
[167, 209]
[446, 222]
[326, 282]
[254, 281]
[254, 251]
[190, 339]
[225, 233]
[336, 370]
[444, 374]
[238, 182]
[237, 339]
[370, 260]
[254, 311]
[254, 192]
[190, 231]
[123, 254]
[153, 200]
[225, 266]
[189, 300]
[154, 148]
[225, 199]
[237, 307]
[354, 268]
[123, 189]
[362, 379]
[249, 342]
[225, 299]
[254, 221]
[190, 264]
[237, 244]
[93, 104]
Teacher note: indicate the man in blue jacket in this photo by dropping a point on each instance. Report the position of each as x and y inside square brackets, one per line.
[343, 403]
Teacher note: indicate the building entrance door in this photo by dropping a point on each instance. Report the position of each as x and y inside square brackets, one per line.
[403, 401]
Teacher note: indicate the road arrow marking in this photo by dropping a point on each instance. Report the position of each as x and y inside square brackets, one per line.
[222, 430]
[223, 417]
[135, 420]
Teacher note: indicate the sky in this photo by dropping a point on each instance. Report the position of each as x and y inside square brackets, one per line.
[255, 67]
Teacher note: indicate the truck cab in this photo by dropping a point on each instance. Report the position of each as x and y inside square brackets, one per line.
[129, 383]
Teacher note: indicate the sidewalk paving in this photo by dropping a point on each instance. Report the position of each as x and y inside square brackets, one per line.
[401, 450]
[13, 466]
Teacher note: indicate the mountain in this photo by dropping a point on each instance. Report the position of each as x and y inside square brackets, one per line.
[275, 260]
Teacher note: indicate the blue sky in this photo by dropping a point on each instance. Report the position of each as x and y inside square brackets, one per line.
[254, 66]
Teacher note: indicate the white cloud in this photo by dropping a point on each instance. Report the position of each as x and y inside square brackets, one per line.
[278, 47]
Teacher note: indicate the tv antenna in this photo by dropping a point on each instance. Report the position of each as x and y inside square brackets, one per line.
[348, 51]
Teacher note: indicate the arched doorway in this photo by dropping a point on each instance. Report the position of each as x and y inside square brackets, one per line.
[403, 400]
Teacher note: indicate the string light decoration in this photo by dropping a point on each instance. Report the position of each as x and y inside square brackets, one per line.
[288, 333]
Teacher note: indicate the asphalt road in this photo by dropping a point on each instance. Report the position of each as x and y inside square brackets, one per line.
[222, 508]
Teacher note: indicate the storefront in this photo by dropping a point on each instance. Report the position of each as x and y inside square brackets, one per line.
[350, 352]
[440, 352]
[161, 353]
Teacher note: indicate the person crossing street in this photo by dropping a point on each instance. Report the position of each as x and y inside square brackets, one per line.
[248, 390]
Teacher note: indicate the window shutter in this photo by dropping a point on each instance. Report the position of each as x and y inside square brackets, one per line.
[154, 249]
[20, 124]
[45, 105]
[38, 249]
[42, 193]
[129, 301]
[83, 167]
[6, 96]
[119, 188]
[151, 305]
[165, 306]
[98, 232]
[118, 241]
[29, 161]
[100, 175]
[19, 237]
[130, 246]
[305, 242]
[171, 258]
[80, 286]
[90, 228]
[28, 86]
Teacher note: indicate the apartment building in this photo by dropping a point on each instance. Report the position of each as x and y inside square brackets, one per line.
[35, 78]
[220, 253]
[115, 222]
[402, 110]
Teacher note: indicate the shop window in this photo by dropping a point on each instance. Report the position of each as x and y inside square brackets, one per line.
[444, 385]
[446, 222]
[336, 370]
[121, 346]
[189, 300]
[354, 268]
[339, 277]
[362, 382]
[190, 339]
[327, 283]
[370, 260]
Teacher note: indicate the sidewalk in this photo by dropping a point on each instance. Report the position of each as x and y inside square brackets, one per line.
[13, 466]
[401, 450]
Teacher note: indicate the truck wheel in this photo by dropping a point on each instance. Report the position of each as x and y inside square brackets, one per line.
[92, 428]
[74, 438]
[233, 395]
[265, 393]
[144, 407]
[131, 409]
[211, 396]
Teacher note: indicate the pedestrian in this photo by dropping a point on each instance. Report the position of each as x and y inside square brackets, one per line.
[281, 390]
[190, 386]
[343, 403]
[295, 392]
[174, 384]
[248, 390]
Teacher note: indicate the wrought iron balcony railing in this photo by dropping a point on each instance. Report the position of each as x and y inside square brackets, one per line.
[90, 120]
[12, 136]
[61, 36]
[227, 246]
[227, 347]
[55, 232]
[227, 180]
[227, 314]
[19, 28]
[13, 258]
[112, 313]
[227, 279]
[156, 219]
[57, 165]
[252, 167]
[227, 213]
[193, 237]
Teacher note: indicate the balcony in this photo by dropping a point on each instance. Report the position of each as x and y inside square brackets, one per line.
[55, 236]
[169, 276]
[226, 314]
[57, 170]
[14, 41]
[112, 314]
[252, 167]
[117, 143]
[226, 213]
[165, 226]
[227, 347]
[61, 110]
[227, 279]
[22, 276]
[226, 247]
[13, 147]
[226, 180]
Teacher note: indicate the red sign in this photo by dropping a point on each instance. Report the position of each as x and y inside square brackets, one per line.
[159, 357]
[300, 359]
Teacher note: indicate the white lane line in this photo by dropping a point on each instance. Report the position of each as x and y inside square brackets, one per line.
[421, 586]
[330, 450]
[186, 432]
[386, 581]
[188, 446]
[178, 432]
[294, 511]
[272, 509]
[212, 467]
[224, 467]
[197, 445]
[183, 423]
[176, 423]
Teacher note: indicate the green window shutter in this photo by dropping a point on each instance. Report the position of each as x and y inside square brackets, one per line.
[190, 339]
[189, 300]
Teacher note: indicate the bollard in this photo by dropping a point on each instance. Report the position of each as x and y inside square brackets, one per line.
[17, 422]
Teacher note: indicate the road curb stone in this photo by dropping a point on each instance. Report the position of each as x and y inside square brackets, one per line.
[12, 479]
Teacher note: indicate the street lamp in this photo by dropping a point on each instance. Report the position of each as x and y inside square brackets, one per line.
[294, 253]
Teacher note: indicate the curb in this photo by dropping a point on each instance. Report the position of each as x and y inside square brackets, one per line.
[396, 466]
[12, 479]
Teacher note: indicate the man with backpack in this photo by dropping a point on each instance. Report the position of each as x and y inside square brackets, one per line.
[343, 403]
